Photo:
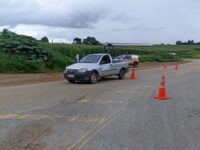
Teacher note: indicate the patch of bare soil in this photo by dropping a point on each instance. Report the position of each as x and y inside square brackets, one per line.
[23, 79]
[26, 137]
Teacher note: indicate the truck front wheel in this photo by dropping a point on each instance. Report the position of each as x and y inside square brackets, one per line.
[71, 81]
[94, 78]
[122, 74]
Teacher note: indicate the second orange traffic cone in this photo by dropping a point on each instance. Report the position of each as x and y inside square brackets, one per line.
[133, 76]
[165, 67]
[162, 91]
[176, 67]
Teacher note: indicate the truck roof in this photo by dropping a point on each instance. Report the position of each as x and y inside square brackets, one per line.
[100, 54]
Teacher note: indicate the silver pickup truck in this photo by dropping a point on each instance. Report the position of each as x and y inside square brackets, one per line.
[93, 67]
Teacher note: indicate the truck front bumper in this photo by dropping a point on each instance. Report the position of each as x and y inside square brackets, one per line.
[77, 76]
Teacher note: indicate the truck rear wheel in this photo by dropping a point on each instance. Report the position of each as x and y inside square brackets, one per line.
[94, 78]
[122, 74]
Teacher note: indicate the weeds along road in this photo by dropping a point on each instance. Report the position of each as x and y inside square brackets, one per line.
[111, 115]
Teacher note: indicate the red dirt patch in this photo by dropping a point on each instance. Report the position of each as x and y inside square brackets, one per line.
[21, 79]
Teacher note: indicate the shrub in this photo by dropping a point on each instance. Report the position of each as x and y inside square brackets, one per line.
[19, 64]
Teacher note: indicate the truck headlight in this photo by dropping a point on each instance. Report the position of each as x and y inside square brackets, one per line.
[82, 70]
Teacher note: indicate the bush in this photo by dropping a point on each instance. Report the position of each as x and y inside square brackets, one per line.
[22, 54]
[26, 46]
[19, 64]
[57, 61]
[159, 58]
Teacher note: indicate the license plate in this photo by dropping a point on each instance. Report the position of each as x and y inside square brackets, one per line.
[70, 75]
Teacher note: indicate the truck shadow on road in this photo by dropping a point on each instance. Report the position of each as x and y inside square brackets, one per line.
[100, 81]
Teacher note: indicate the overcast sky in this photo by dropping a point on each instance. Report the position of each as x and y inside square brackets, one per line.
[127, 21]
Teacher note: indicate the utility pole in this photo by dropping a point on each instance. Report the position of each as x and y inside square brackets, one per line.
[52, 45]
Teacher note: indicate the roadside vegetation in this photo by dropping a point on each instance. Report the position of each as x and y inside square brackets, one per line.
[24, 54]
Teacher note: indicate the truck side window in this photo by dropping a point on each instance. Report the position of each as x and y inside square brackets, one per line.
[105, 60]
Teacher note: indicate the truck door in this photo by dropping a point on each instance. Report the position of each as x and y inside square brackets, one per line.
[105, 64]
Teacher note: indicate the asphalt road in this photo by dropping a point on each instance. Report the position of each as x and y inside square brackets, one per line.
[111, 115]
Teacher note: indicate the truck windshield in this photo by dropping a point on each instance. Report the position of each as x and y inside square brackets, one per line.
[90, 59]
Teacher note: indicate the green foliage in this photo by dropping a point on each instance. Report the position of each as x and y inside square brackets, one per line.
[19, 64]
[58, 61]
[21, 54]
[189, 54]
[159, 58]
[159, 53]
[28, 47]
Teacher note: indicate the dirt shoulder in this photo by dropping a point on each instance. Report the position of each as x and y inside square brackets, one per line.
[150, 65]
[23, 79]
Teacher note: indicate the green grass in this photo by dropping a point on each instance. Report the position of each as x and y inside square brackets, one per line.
[61, 55]
[19, 64]
[23, 54]
[158, 53]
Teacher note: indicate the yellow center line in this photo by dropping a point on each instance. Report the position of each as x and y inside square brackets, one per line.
[95, 133]
[70, 147]
[81, 142]
[104, 101]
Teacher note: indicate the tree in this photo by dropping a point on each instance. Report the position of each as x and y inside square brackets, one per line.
[77, 41]
[109, 44]
[45, 39]
[190, 42]
[179, 43]
[90, 41]
[4, 32]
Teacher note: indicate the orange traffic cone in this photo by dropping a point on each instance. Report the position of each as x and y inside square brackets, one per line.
[162, 92]
[165, 67]
[176, 67]
[133, 76]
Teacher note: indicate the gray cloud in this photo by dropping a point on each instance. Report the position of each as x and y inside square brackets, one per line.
[137, 21]
[122, 17]
[13, 12]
